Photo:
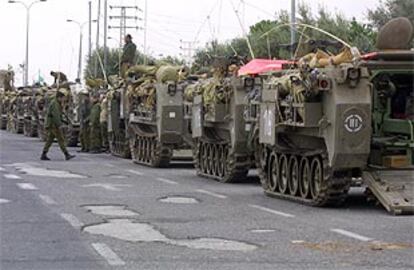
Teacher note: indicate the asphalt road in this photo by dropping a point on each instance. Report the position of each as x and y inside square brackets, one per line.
[103, 212]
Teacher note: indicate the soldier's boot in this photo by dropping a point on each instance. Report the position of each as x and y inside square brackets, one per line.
[44, 156]
[69, 156]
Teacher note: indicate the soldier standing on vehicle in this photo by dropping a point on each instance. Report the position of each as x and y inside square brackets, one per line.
[128, 54]
[84, 112]
[59, 77]
[94, 126]
[53, 123]
[104, 122]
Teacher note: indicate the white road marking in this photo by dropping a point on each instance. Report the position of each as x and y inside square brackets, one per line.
[213, 194]
[4, 201]
[136, 172]
[47, 199]
[352, 235]
[12, 176]
[74, 221]
[111, 187]
[2, 169]
[167, 181]
[30, 169]
[279, 213]
[27, 186]
[108, 254]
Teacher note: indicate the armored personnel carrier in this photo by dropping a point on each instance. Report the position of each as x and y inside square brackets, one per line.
[146, 115]
[30, 120]
[337, 118]
[220, 147]
[17, 111]
[4, 105]
[118, 118]
[314, 130]
[389, 175]
[156, 125]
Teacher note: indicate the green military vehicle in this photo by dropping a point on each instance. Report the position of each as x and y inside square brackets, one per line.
[4, 104]
[17, 111]
[221, 142]
[390, 172]
[146, 115]
[335, 119]
[30, 128]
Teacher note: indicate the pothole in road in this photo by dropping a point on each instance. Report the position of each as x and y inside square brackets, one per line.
[127, 230]
[4, 201]
[178, 200]
[36, 171]
[110, 210]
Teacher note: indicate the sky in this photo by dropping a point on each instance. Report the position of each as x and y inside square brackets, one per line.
[171, 24]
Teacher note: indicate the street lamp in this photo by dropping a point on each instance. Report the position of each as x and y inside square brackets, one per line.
[81, 25]
[26, 64]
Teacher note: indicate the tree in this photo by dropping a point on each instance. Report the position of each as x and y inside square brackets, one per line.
[113, 62]
[390, 9]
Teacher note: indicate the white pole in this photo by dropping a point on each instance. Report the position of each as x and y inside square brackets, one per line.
[145, 31]
[26, 64]
[105, 62]
[293, 27]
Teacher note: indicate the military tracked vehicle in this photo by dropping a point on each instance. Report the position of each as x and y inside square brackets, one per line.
[314, 131]
[17, 111]
[146, 115]
[4, 107]
[220, 148]
[333, 119]
[118, 120]
[156, 125]
[30, 128]
[390, 172]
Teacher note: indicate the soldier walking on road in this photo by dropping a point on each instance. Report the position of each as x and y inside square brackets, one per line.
[53, 123]
[128, 54]
[95, 126]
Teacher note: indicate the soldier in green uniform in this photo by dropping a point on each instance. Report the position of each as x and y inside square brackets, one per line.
[94, 126]
[84, 112]
[128, 54]
[53, 123]
[59, 77]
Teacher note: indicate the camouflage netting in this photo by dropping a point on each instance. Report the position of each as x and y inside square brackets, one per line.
[95, 83]
[213, 91]
[290, 84]
[141, 89]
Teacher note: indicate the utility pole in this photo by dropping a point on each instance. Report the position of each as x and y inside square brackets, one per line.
[81, 25]
[90, 31]
[145, 31]
[293, 26]
[97, 37]
[188, 48]
[26, 62]
[105, 61]
[123, 17]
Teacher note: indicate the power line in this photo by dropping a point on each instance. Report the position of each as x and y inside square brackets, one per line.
[124, 19]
